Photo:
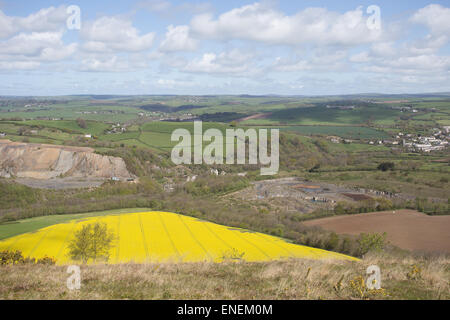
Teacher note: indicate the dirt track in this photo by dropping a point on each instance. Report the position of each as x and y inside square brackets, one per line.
[406, 229]
[255, 116]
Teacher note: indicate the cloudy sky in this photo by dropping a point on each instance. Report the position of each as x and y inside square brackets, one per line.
[304, 47]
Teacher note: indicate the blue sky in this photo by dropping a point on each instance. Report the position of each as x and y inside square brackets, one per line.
[225, 47]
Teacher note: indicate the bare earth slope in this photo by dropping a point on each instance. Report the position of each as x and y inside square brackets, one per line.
[406, 229]
[43, 161]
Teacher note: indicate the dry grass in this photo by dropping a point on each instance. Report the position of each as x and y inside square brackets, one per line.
[234, 280]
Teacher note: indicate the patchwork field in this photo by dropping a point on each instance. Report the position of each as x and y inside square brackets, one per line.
[165, 237]
[406, 229]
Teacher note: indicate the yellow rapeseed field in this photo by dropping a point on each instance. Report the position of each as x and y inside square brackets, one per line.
[165, 237]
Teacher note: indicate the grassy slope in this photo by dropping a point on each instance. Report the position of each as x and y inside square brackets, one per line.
[270, 280]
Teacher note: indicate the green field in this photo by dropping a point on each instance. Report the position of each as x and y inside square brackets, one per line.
[324, 116]
[370, 119]
[350, 132]
[10, 229]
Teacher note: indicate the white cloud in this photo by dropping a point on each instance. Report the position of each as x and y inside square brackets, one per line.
[31, 44]
[428, 63]
[232, 62]
[430, 44]
[19, 65]
[360, 57]
[435, 17]
[58, 53]
[178, 39]
[172, 83]
[28, 50]
[319, 61]
[169, 9]
[113, 63]
[404, 61]
[155, 5]
[48, 19]
[7, 27]
[384, 49]
[259, 22]
[313, 42]
[25, 42]
[113, 34]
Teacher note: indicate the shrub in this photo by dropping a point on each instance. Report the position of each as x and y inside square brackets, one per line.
[385, 166]
[233, 254]
[369, 242]
[81, 123]
[16, 257]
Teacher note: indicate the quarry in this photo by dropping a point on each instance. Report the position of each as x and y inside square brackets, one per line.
[52, 166]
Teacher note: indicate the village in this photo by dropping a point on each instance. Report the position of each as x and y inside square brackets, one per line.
[436, 141]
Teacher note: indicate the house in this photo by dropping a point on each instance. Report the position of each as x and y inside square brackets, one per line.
[334, 139]
[115, 179]
[407, 144]
[425, 147]
[88, 136]
[189, 179]
[2, 134]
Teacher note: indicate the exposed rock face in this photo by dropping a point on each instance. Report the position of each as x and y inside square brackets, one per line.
[43, 161]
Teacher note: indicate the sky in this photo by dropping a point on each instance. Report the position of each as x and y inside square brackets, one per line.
[309, 47]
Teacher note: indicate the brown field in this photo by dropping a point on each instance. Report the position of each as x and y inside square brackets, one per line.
[357, 196]
[406, 229]
[305, 186]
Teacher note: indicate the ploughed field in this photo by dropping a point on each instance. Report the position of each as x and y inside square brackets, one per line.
[165, 237]
[406, 229]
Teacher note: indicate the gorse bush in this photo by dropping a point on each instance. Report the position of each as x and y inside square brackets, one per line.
[16, 257]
